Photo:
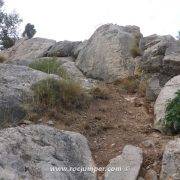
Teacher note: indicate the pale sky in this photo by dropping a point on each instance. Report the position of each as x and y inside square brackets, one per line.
[78, 19]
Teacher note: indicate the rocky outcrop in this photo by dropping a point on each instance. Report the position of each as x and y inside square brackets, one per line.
[126, 166]
[171, 161]
[107, 55]
[62, 49]
[67, 63]
[167, 93]
[160, 62]
[28, 49]
[15, 84]
[39, 152]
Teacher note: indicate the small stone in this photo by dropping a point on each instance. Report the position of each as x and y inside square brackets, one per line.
[50, 123]
[148, 143]
[27, 122]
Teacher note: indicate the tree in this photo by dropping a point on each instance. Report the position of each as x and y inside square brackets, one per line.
[8, 27]
[29, 31]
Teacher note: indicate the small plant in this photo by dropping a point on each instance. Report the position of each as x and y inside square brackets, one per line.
[142, 88]
[135, 50]
[172, 117]
[129, 84]
[53, 93]
[2, 59]
[50, 66]
[100, 92]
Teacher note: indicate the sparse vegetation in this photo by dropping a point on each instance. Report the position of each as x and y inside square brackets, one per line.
[172, 118]
[53, 93]
[100, 92]
[2, 58]
[129, 84]
[50, 66]
[142, 88]
[135, 50]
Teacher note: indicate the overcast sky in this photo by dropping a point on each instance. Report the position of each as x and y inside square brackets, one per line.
[77, 19]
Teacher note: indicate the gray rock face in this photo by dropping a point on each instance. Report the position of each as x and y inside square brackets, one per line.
[171, 61]
[15, 84]
[161, 59]
[171, 161]
[67, 63]
[107, 54]
[28, 49]
[27, 62]
[153, 88]
[79, 48]
[167, 93]
[129, 164]
[39, 152]
[75, 74]
[62, 49]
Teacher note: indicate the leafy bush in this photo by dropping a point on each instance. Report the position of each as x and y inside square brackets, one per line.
[53, 93]
[100, 92]
[2, 58]
[172, 118]
[50, 66]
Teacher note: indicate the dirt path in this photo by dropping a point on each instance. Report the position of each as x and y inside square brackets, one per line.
[111, 124]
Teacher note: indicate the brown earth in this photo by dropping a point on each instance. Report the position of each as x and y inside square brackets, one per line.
[112, 123]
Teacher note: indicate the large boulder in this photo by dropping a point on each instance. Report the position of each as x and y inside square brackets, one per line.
[15, 89]
[126, 166]
[67, 63]
[171, 161]
[28, 49]
[44, 153]
[161, 61]
[107, 55]
[62, 49]
[168, 92]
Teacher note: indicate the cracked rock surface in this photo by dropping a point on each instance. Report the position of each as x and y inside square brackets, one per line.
[34, 152]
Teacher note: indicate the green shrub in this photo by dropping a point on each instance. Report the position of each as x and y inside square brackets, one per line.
[50, 66]
[53, 93]
[172, 118]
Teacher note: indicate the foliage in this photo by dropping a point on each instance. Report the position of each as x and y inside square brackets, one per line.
[29, 31]
[50, 66]
[100, 92]
[172, 118]
[129, 84]
[8, 27]
[53, 93]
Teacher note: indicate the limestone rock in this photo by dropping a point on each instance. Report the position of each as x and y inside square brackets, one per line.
[129, 164]
[39, 152]
[62, 49]
[171, 161]
[153, 88]
[28, 49]
[167, 93]
[15, 84]
[107, 54]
